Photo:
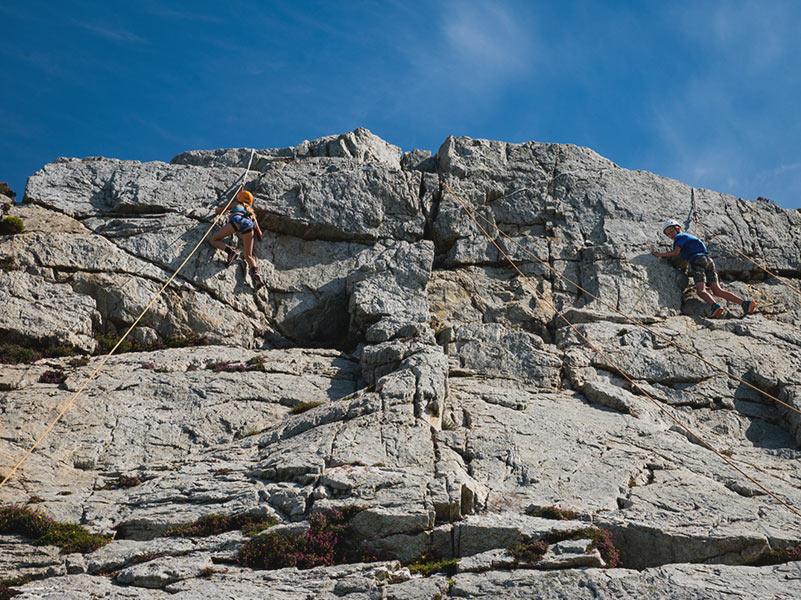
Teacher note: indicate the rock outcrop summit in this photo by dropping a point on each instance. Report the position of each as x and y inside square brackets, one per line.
[396, 369]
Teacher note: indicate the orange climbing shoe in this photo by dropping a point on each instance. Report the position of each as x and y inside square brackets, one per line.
[717, 311]
[749, 307]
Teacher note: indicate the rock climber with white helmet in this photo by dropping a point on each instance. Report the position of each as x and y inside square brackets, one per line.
[242, 221]
[702, 269]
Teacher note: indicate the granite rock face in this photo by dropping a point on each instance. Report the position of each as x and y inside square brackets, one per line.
[397, 368]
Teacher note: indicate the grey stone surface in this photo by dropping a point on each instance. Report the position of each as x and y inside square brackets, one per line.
[395, 366]
[391, 283]
[160, 572]
[359, 145]
[53, 313]
[19, 559]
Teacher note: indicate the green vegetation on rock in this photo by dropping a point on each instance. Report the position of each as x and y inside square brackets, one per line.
[217, 523]
[429, 564]
[304, 406]
[46, 531]
[11, 226]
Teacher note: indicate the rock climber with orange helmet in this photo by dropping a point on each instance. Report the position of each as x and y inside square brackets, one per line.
[242, 221]
[702, 268]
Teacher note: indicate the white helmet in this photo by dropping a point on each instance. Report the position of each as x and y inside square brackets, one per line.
[670, 223]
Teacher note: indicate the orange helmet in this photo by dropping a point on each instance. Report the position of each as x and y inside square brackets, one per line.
[245, 197]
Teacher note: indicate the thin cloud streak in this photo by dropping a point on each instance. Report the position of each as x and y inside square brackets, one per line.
[111, 33]
[475, 53]
[183, 15]
[720, 125]
[782, 169]
[488, 39]
[735, 22]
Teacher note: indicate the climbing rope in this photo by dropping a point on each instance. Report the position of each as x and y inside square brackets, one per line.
[652, 331]
[615, 366]
[125, 335]
[202, 220]
[694, 210]
[749, 259]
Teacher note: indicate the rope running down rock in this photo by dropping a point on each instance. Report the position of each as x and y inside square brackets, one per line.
[134, 324]
[617, 368]
[639, 323]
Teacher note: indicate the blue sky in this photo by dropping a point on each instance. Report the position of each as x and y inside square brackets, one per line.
[701, 91]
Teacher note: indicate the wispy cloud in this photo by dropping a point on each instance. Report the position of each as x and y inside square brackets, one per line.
[703, 155]
[115, 34]
[477, 49]
[752, 35]
[488, 38]
[783, 169]
[183, 15]
[758, 23]
[722, 123]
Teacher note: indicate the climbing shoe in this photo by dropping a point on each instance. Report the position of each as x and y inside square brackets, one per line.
[230, 255]
[254, 272]
[717, 311]
[749, 307]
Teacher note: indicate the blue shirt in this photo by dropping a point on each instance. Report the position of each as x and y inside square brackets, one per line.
[691, 247]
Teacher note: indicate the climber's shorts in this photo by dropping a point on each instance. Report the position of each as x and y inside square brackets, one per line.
[241, 223]
[703, 270]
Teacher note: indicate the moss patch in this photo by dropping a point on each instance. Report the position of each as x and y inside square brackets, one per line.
[600, 539]
[304, 406]
[146, 557]
[54, 377]
[241, 435]
[256, 363]
[12, 354]
[81, 361]
[328, 541]
[46, 531]
[782, 555]
[216, 523]
[107, 341]
[8, 264]
[429, 564]
[552, 512]
[123, 482]
[15, 354]
[6, 586]
[530, 551]
[11, 226]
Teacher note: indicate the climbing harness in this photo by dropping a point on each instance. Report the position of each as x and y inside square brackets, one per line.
[612, 364]
[241, 222]
[125, 335]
